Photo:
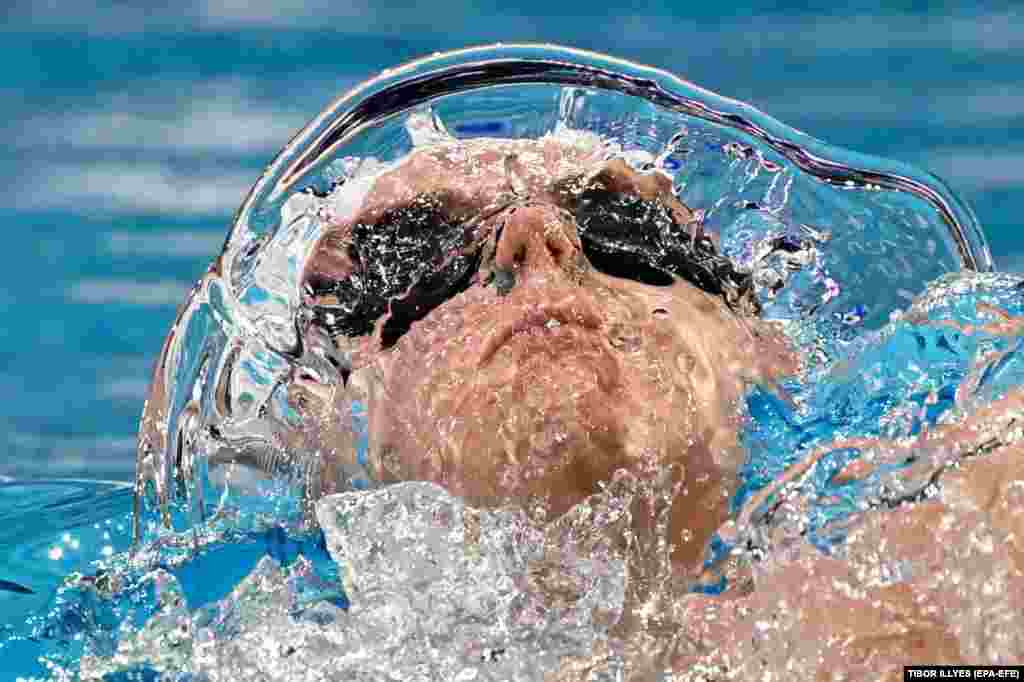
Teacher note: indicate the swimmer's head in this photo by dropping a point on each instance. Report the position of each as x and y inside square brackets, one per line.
[432, 227]
[525, 318]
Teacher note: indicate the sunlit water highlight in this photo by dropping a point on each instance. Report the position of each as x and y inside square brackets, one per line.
[239, 575]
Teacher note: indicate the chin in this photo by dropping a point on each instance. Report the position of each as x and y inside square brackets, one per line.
[544, 430]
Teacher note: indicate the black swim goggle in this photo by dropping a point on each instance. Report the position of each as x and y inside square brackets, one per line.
[414, 258]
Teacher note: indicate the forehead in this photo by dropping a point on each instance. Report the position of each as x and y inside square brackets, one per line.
[474, 175]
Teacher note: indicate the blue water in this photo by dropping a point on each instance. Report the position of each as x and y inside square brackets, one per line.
[48, 530]
[58, 530]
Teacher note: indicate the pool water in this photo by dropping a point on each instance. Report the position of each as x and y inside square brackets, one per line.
[70, 582]
[52, 529]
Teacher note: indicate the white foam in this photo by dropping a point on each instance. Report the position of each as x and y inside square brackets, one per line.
[438, 591]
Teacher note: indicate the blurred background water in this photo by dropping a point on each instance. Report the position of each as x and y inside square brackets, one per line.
[134, 129]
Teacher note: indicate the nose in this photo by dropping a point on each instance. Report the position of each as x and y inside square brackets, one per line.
[539, 240]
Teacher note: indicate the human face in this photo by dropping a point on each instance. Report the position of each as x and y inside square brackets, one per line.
[525, 372]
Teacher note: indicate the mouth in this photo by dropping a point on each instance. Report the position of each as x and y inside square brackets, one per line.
[540, 321]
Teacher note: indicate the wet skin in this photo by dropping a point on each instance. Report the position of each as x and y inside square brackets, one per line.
[940, 581]
[545, 376]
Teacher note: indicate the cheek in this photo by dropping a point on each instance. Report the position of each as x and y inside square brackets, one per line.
[412, 414]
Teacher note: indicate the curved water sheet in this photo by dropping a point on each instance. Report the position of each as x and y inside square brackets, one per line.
[836, 240]
[258, 403]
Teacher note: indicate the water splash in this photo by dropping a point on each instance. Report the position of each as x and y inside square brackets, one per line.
[836, 242]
